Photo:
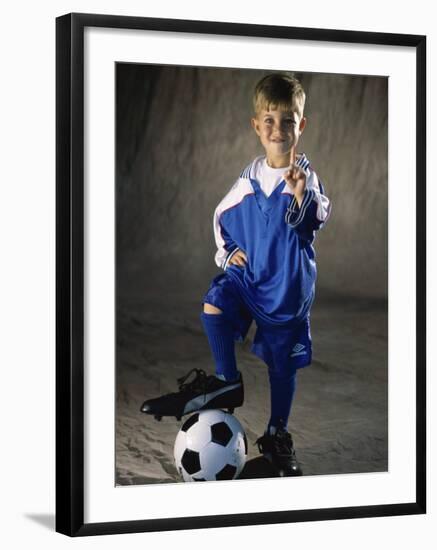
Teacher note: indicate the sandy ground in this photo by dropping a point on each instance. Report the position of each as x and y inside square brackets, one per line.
[339, 415]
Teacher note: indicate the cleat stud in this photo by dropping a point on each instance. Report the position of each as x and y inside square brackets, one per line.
[158, 417]
[178, 417]
[231, 410]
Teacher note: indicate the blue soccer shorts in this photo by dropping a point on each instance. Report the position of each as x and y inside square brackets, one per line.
[283, 349]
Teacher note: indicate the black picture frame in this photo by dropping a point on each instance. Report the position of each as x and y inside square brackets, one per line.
[70, 273]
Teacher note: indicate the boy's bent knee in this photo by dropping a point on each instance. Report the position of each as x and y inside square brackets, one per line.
[208, 308]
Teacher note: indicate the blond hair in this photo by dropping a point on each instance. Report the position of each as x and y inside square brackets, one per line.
[279, 91]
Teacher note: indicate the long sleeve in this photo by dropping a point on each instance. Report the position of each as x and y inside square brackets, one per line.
[314, 210]
[226, 247]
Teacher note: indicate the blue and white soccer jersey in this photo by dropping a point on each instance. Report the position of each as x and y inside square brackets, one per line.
[276, 286]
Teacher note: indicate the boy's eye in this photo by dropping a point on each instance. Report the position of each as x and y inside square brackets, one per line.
[287, 121]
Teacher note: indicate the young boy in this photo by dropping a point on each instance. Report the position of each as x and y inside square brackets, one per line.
[264, 228]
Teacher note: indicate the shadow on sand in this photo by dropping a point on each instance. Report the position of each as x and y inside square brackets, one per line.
[257, 468]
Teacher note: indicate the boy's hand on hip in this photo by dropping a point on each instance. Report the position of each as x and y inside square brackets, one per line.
[297, 180]
[239, 258]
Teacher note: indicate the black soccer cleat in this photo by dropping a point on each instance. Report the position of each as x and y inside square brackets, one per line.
[278, 449]
[202, 393]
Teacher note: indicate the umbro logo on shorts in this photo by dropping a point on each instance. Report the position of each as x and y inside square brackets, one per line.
[299, 349]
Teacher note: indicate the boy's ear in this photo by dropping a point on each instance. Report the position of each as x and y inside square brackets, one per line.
[302, 124]
[255, 125]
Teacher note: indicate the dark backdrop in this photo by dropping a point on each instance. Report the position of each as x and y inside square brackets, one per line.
[183, 137]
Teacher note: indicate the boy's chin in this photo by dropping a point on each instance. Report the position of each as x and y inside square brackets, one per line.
[280, 148]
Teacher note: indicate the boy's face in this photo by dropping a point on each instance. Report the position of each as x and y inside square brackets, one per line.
[279, 133]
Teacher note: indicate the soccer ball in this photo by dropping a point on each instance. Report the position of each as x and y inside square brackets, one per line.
[211, 445]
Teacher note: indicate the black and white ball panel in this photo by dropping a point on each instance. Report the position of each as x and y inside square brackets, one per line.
[211, 445]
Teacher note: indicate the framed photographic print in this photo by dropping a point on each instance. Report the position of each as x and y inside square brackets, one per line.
[209, 326]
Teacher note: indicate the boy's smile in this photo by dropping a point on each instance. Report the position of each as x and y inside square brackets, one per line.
[279, 133]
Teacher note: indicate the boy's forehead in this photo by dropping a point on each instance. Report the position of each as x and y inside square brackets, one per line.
[277, 111]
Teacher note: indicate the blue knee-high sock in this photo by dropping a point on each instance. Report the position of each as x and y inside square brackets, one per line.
[221, 341]
[282, 389]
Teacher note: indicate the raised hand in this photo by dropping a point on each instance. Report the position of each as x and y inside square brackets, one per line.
[296, 179]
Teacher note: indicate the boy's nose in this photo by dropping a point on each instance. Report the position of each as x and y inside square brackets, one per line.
[279, 128]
